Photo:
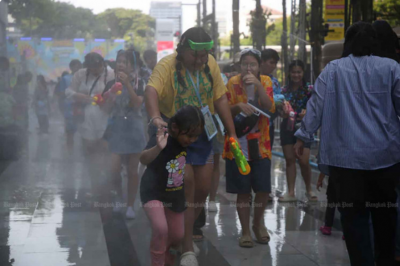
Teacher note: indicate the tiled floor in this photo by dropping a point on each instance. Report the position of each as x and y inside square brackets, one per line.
[47, 217]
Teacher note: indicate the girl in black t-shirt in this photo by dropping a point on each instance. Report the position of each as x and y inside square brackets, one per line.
[162, 189]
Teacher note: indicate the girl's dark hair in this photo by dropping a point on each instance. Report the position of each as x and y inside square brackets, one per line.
[360, 40]
[387, 40]
[195, 34]
[269, 54]
[132, 56]
[249, 53]
[187, 118]
[41, 80]
[94, 60]
[300, 64]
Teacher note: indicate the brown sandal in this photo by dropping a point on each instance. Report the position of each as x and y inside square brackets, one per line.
[246, 242]
[261, 234]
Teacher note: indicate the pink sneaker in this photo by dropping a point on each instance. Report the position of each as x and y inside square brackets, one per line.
[325, 230]
[343, 237]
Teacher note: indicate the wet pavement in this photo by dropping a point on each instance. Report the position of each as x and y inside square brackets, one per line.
[49, 217]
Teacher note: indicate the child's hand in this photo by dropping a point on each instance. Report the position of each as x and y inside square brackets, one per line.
[320, 181]
[319, 184]
[124, 78]
[162, 138]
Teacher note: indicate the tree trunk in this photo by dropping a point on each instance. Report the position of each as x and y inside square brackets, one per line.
[284, 41]
[259, 28]
[315, 35]
[302, 55]
[293, 40]
[235, 36]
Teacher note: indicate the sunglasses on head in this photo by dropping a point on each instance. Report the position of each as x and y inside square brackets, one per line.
[250, 50]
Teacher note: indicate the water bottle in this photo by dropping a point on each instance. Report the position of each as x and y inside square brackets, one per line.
[291, 121]
[250, 92]
[292, 116]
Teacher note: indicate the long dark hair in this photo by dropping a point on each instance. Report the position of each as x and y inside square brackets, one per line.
[387, 40]
[93, 60]
[195, 34]
[293, 64]
[187, 119]
[360, 40]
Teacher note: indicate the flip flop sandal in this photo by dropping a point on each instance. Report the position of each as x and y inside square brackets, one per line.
[189, 259]
[246, 242]
[261, 234]
[311, 196]
[197, 232]
[287, 198]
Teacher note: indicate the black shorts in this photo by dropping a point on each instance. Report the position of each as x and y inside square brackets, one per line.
[287, 137]
[259, 178]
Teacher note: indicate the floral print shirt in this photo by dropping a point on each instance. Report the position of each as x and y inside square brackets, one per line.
[298, 99]
[236, 94]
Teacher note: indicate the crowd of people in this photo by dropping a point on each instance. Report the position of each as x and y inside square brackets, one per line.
[178, 116]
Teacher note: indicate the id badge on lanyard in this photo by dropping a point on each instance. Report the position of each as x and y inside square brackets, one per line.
[210, 127]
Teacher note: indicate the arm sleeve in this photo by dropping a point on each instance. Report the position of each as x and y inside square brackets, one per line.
[396, 90]
[313, 118]
[230, 94]
[160, 76]
[270, 92]
[75, 83]
[219, 88]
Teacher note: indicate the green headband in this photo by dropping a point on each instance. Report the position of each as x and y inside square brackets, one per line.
[199, 46]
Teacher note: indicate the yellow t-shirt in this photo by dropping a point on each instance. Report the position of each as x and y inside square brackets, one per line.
[172, 96]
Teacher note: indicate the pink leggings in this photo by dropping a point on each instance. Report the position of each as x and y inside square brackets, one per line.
[168, 230]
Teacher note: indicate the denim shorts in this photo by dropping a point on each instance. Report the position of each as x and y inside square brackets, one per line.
[287, 137]
[199, 152]
[259, 178]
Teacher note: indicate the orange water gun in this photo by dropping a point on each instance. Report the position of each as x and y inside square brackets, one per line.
[98, 99]
[241, 162]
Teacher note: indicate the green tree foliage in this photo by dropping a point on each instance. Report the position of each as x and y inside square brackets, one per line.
[273, 37]
[388, 10]
[132, 25]
[47, 18]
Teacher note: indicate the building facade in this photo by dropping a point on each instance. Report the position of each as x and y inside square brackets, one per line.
[168, 10]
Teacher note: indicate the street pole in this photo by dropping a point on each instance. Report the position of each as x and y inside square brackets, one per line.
[235, 39]
[214, 29]
[204, 9]
[198, 14]
[302, 55]
[284, 41]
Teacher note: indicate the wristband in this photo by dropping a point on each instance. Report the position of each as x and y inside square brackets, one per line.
[154, 118]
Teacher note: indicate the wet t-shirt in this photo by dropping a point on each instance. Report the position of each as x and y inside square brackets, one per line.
[163, 178]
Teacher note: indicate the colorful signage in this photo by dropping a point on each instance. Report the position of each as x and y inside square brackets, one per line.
[334, 16]
[51, 57]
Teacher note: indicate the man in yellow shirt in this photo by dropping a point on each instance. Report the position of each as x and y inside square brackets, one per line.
[190, 77]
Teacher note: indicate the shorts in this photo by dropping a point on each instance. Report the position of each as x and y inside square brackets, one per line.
[198, 153]
[259, 178]
[287, 137]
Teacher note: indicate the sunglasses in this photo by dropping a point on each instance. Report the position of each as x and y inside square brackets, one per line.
[249, 50]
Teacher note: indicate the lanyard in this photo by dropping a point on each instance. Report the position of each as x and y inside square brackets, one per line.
[196, 88]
